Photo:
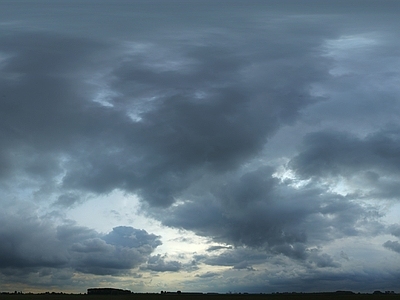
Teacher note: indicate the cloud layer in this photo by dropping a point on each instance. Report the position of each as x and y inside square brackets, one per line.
[268, 131]
[36, 243]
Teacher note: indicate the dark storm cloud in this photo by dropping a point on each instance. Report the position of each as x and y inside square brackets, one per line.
[207, 275]
[259, 211]
[211, 113]
[321, 260]
[122, 249]
[67, 200]
[238, 258]
[323, 281]
[29, 244]
[331, 153]
[35, 244]
[178, 133]
[215, 248]
[131, 238]
[176, 103]
[43, 115]
[395, 230]
[392, 245]
[159, 263]
[373, 160]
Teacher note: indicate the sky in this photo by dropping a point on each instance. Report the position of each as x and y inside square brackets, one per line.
[209, 146]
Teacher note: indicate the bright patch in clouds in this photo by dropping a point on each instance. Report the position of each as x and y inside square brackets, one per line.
[348, 53]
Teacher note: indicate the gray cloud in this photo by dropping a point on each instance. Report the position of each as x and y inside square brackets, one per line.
[132, 238]
[122, 249]
[332, 280]
[185, 133]
[67, 200]
[179, 104]
[207, 275]
[238, 258]
[339, 153]
[29, 244]
[395, 230]
[216, 248]
[158, 263]
[370, 163]
[392, 245]
[35, 245]
[321, 260]
[258, 210]
[212, 113]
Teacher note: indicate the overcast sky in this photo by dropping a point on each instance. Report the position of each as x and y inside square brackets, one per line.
[198, 145]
